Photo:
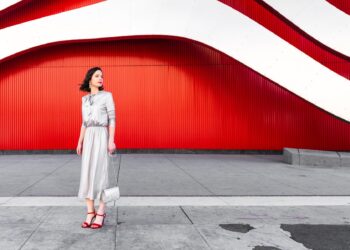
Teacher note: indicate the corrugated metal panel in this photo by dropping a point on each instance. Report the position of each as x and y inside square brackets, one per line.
[168, 94]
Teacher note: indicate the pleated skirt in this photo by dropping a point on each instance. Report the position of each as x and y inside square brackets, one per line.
[95, 163]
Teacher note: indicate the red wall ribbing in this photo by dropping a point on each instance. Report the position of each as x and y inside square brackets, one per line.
[168, 94]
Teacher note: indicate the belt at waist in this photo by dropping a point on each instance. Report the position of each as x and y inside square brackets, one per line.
[97, 126]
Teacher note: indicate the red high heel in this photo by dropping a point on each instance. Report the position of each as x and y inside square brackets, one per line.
[96, 224]
[85, 224]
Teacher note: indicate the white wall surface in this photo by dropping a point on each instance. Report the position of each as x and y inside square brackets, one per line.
[7, 3]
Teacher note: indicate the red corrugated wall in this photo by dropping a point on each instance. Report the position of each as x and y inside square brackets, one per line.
[169, 94]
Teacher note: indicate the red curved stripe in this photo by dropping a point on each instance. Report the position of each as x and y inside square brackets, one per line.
[30, 9]
[273, 21]
[343, 5]
[27, 10]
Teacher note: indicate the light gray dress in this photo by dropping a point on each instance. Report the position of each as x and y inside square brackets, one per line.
[98, 112]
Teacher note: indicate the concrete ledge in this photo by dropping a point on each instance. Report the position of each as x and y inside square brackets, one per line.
[319, 158]
[308, 157]
[344, 159]
[291, 156]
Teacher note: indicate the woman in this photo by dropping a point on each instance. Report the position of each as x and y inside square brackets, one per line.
[95, 142]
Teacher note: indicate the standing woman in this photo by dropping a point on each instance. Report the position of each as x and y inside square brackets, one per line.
[95, 142]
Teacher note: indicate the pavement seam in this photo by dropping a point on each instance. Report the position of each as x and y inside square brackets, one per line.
[39, 224]
[186, 214]
[176, 165]
[44, 177]
[202, 236]
[117, 215]
[115, 228]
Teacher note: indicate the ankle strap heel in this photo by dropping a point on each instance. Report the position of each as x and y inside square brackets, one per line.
[96, 225]
[85, 224]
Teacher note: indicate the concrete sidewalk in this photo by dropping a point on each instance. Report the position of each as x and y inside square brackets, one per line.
[175, 175]
[177, 201]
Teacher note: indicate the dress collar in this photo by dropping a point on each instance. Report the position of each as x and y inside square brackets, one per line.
[96, 93]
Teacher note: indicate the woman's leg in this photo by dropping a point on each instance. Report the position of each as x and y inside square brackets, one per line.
[90, 208]
[90, 204]
[101, 210]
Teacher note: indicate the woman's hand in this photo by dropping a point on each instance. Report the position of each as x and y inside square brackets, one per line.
[111, 147]
[79, 149]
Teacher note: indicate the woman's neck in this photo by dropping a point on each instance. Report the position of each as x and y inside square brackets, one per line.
[94, 91]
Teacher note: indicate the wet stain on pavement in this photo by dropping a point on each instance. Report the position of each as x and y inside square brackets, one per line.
[266, 248]
[320, 237]
[241, 228]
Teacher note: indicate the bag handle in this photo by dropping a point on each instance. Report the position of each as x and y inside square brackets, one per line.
[113, 156]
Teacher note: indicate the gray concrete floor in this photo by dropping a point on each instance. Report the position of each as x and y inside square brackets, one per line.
[36, 225]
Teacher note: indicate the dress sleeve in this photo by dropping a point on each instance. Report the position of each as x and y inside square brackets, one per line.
[82, 116]
[110, 110]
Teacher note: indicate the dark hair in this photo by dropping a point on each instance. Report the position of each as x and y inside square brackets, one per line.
[84, 86]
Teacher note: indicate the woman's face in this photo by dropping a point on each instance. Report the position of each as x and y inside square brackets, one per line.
[97, 79]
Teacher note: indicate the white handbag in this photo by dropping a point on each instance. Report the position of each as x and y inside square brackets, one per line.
[112, 194]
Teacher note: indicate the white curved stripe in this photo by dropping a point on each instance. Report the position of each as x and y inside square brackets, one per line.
[319, 19]
[7, 3]
[207, 21]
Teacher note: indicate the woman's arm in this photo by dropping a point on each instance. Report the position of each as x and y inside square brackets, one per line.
[82, 133]
[111, 122]
[80, 141]
[111, 134]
